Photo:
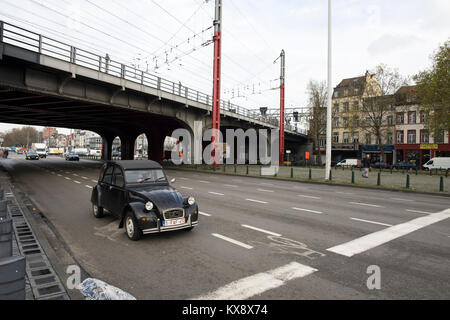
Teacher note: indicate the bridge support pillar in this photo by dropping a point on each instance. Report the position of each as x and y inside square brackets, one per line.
[127, 148]
[156, 145]
[107, 146]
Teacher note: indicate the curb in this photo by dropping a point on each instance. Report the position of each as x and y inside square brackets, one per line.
[447, 195]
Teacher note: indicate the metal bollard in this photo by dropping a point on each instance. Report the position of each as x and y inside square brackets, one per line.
[235, 168]
[247, 170]
[331, 175]
[6, 229]
[310, 174]
[379, 179]
[353, 177]
[12, 278]
[292, 173]
[407, 181]
[441, 184]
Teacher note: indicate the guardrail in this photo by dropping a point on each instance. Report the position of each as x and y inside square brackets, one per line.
[32, 41]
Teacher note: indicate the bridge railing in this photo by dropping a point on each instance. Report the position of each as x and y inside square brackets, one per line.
[32, 41]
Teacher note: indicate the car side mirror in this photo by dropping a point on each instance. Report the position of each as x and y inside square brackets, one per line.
[173, 180]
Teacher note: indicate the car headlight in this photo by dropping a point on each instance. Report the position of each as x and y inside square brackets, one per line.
[149, 206]
[191, 201]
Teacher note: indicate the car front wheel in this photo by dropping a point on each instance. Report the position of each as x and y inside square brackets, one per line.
[131, 227]
[97, 211]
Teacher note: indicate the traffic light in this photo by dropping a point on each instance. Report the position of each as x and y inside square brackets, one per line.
[295, 116]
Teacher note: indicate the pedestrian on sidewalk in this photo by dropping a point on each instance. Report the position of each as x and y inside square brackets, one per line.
[366, 166]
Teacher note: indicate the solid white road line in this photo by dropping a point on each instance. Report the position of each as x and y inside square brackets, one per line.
[309, 197]
[307, 210]
[416, 211]
[186, 188]
[264, 190]
[246, 246]
[261, 230]
[366, 204]
[257, 284]
[381, 237]
[373, 222]
[257, 201]
[216, 193]
[204, 214]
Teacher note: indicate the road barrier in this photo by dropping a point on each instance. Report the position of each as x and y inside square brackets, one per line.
[12, 278]
[6, 238]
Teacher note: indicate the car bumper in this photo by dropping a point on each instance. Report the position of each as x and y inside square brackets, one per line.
[160, 228]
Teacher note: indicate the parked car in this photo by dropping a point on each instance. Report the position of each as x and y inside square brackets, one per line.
[31, 155]
[72, 157]
[381, 165]
[349, 163]
[404, 165]
[442, 163]
[139, 195]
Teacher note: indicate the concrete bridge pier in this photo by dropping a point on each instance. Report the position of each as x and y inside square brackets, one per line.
[127, 145]
[107, 146]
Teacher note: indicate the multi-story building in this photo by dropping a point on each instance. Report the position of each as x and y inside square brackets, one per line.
[413, 142]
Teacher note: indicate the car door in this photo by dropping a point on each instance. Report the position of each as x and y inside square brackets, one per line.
[105, 187]
[117, 192]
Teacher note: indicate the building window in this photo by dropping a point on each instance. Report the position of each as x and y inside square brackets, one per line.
[346, 92]
[346, 137]
[424, 136]
[390, 138]
[336, 108]
[411, 136]
[336, 137]
[356, 91]
[322, 143]
[356, 106]
[390, 120]
[336, 94]
[400, 118]
[412, 117]
[345, 122]
[423, 117]
[368, 138]
[356, 137]
[336, 122]
[400, 137]
[440, 137]
[346, 107]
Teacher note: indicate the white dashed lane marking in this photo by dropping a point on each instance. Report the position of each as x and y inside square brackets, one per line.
[89, 187]
[309, 197]
[204, 214]
[257, 284]
[373, 222]
[262, 230]
[264, 190]
[216, 193]
[307, 210]
[202, 181]
[366, 204]
[186, 188]
[78, 182]
[257, 201]
[238, 243]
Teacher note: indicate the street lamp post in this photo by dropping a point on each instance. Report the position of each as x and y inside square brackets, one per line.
[328, 150]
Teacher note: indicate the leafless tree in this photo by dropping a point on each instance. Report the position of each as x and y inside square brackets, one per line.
[317, 95]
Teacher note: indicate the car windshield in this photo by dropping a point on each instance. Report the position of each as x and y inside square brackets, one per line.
[145, 176]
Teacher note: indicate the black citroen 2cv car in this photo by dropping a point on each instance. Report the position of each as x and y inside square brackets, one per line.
[138, 193]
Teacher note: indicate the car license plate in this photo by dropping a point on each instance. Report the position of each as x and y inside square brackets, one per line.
[174, 222]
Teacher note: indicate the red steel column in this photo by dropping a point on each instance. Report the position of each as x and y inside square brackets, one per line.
[216, 79]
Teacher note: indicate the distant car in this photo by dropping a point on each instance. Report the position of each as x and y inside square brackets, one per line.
[349, 163]
[382, 165]
[404, 165]
[72, 157]
[138, 193]
[116, 154]
[442, 163]
[31, 155]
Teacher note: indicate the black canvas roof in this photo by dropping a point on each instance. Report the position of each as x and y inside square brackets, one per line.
[137, 164]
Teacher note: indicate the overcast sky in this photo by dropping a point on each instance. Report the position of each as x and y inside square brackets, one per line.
[401, 33]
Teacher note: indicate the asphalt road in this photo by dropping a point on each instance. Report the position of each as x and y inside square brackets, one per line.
[257, 238]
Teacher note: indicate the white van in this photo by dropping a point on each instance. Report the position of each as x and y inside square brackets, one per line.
[349, 163]
[438, 163]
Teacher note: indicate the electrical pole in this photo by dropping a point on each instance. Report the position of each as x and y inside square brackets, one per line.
[282, 81]
[330, 92]
[216, 78]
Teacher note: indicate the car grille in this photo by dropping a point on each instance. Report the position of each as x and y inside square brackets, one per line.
[173, 214]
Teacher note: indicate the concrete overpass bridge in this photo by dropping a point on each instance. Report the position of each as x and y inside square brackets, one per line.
[46, 82]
